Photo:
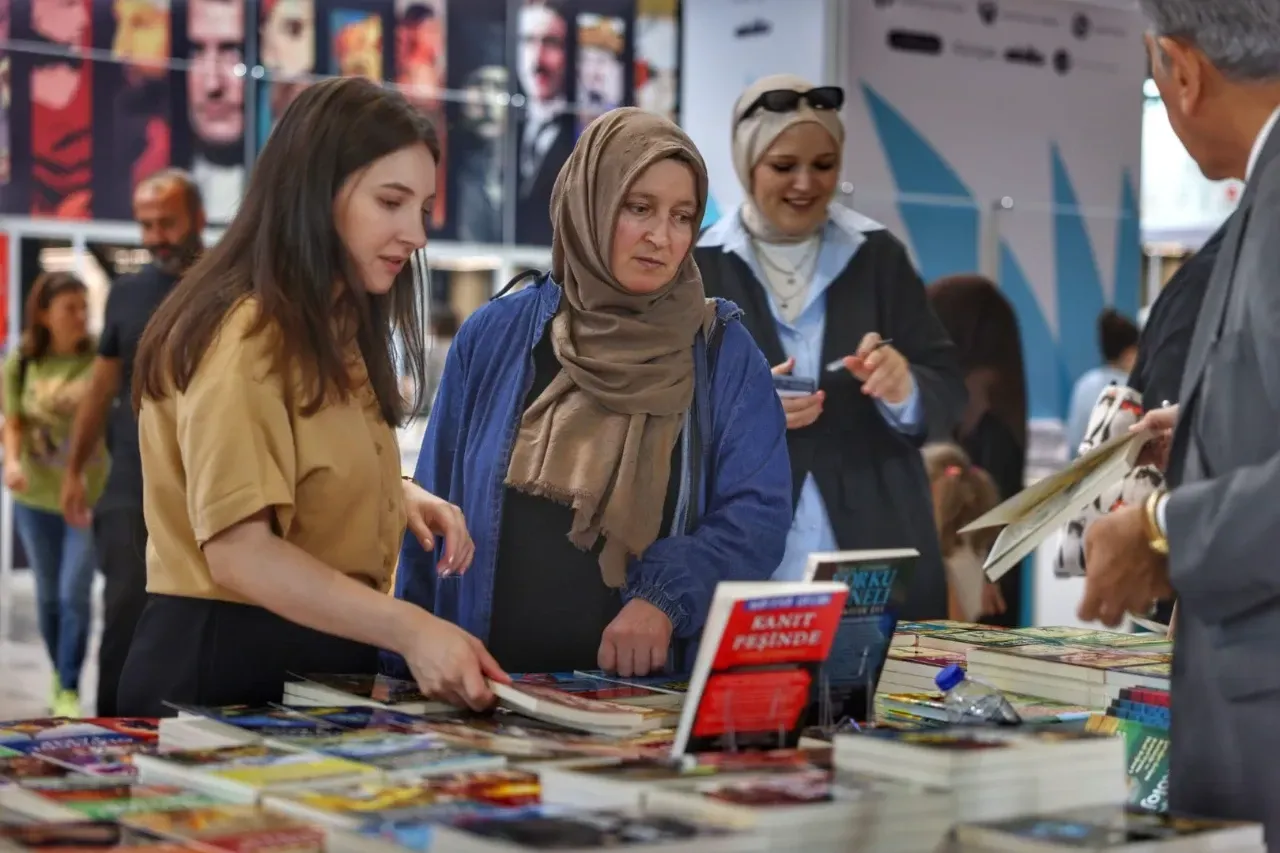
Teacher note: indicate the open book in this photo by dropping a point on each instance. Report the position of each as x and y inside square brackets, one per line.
[1038, 510]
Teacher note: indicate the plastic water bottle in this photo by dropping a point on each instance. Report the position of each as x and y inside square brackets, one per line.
[972, 702]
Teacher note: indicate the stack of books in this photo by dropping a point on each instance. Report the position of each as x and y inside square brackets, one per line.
[992, 774]
[1080, 674]
[1110, 828]
[770, 742]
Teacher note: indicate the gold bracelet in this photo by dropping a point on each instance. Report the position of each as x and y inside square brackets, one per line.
[1156, 537]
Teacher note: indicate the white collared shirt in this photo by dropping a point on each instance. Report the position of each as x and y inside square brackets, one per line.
[1260, 142]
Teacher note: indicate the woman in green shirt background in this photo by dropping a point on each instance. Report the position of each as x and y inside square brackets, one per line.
[45, 378]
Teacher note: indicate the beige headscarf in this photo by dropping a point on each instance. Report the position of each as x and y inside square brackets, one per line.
[752, 138]
[600, 437]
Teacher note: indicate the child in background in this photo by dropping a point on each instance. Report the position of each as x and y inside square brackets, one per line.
[961, 493]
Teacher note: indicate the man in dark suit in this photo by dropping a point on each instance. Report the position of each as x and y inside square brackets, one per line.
[1166, 336]
[546, 126]
[1214, 536]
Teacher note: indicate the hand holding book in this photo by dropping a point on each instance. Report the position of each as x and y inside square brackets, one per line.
[1126, 575]
[451, 665]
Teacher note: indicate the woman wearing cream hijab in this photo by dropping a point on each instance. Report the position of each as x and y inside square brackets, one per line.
[831, 296]
[611, 435]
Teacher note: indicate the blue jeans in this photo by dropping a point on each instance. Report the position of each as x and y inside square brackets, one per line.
[62, 561]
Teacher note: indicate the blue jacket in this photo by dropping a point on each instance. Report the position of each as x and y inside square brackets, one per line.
[745, 510]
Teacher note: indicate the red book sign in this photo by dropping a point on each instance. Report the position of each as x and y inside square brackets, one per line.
[793, 629]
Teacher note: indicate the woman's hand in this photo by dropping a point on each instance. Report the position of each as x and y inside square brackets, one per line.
[800, 411]
[451, 665]
[429, 517]
[883, 371]
[15, 478]
[636, 641]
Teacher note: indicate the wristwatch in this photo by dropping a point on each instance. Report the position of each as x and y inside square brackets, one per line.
[1156, 537]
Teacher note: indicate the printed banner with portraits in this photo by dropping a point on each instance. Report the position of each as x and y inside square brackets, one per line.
[96, 95]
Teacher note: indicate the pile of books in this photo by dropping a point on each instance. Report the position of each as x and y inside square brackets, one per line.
[771, 741]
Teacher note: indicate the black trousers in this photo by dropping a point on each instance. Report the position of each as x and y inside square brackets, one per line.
[120, 539]
[192, 651]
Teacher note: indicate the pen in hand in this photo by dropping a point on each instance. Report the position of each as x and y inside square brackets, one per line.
[838, 364]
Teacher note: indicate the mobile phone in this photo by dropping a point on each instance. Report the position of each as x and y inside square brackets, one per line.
[794, 386]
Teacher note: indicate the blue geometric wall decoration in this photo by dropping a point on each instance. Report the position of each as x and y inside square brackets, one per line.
[943, 218]
[1040, 357]
[712, 214]
[1128, 250]
[1079, 294]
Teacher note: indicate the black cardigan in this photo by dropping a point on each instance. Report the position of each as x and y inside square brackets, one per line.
[871, 475]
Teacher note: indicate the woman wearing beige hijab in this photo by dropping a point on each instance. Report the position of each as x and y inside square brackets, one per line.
[611, 435]
[831, 296]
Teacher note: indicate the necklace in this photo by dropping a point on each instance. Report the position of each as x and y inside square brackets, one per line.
[793, 273]
[791, 281]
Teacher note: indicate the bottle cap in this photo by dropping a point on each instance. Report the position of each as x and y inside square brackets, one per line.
[951, 675]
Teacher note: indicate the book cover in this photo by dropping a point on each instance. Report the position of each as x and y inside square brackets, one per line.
[112, 803]
[18, 734]
[585, 686]
[19, 768]
[235, 829]
[78, 836]
[926, 656]
[757, 665]
[529, 740]
[363, 717]
[848, 678]
[259, 765]
[1043, 507]
[1109, 827]
[113, 759]
[788, 789]
[1088, 637]
[506, 788]
[1146, 751]
[375, 688]
[267, 721]
[424, 753]
[545, 826]
[663, 683]
[1030, 708]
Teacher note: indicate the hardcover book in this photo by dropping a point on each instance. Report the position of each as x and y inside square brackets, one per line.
[1108, 828]
[878, 582]
[758, 662]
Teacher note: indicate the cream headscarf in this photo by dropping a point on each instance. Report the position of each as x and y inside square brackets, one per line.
[752, 138]
[600, 437]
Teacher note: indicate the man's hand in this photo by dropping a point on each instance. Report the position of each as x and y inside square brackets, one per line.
[1160, 422]
[636, 641]
[992, 600]
[74, 501]
[1125, 575]
[882, 370]
[429, 517]
[800, 411]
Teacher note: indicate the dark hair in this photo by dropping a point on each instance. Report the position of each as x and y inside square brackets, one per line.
[984, 328]
[962, 493]
[283, 248]
[1116, 333]
[36, 337]
[191, 193]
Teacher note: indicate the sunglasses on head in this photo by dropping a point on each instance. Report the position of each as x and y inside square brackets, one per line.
[788, 100]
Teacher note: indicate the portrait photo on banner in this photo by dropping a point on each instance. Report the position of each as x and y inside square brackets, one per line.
[573, 61]
[477, 120]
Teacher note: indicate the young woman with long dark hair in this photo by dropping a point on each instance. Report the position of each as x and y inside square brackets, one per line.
[45, 378]
[268, 393]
